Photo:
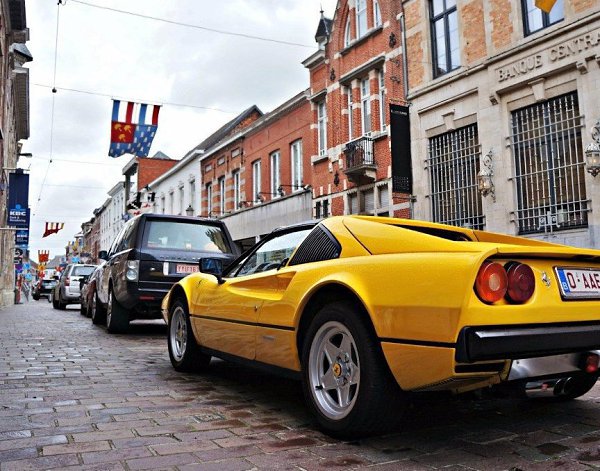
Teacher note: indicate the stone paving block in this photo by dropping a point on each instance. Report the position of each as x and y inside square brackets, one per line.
[75, 448]
[44, 462]
[115, 455]
[31, 441]
[154, 462]
[218, 454]
[184, 447]
[98, 436]
[236, 464]
[142, 441]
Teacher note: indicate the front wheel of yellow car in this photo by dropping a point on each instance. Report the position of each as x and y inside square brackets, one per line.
[184, 352]
[346, 380]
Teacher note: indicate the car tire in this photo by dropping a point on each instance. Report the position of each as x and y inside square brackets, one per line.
[82, 309]
[98, 315]
[117, 318]
[354, 394]
[54, 302]
[184, 351]
[35, 297]
[49, 298]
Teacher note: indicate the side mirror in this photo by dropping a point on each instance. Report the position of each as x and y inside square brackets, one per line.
[212, 266]
[103, 255]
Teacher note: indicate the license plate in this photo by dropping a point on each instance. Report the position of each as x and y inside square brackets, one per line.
[579, 282]
[186, 268]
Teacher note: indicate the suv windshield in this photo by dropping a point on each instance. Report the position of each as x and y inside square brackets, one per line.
[185, 236]
[82, 270]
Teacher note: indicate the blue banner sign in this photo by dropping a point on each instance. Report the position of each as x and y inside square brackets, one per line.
[18, 217]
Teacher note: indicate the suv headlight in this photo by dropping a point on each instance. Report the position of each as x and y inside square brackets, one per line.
[133, 270]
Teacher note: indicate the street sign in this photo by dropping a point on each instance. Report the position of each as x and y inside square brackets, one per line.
[18, 260]
[22, 238]
[18, 252]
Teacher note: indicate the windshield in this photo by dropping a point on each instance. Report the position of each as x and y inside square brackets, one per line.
[186, 236]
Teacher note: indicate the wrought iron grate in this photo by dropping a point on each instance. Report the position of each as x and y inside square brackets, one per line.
[549, 166]
[452, 166]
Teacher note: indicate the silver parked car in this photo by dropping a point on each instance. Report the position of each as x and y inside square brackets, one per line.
[68, 288]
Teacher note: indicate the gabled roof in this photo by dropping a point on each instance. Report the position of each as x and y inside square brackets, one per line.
[226, 129]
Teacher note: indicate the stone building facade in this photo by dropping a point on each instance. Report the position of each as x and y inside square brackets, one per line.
[14, 123]
[503, 98]
[356, 73]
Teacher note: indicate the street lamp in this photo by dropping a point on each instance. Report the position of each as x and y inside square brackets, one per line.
[592, 151]
[189, 210]
[485, 184]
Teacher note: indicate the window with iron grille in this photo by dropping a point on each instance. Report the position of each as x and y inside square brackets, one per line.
[549, 166]
[452, 166]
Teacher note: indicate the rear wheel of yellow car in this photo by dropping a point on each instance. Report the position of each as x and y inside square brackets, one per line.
[184, 352]
[346, 380]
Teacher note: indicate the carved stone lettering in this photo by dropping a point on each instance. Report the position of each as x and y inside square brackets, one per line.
[520, 67]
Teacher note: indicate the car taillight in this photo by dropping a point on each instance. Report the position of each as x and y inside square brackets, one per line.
[521, 283]
[491, 282]
[67, 281]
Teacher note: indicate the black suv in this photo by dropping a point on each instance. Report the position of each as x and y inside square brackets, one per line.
[149, 255]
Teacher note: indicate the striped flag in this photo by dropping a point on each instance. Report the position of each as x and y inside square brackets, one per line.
[53, 228]
[129, 135]
[43, 255]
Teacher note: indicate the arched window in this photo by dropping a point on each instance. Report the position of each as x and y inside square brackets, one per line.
[348, 32]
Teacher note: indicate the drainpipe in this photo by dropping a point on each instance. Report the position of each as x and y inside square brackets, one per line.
[405, 87]
[404, 57]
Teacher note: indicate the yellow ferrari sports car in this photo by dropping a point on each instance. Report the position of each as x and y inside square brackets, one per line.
[365, 310]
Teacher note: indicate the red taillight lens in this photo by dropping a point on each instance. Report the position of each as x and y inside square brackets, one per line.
[491, 282]
[521, 283]
[67, 281]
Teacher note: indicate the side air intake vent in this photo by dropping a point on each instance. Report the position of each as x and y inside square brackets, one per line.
[318, 246]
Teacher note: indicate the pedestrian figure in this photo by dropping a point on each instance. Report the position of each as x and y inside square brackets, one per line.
[25, 289]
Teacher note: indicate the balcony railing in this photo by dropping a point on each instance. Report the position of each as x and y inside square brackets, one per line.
[360, 160]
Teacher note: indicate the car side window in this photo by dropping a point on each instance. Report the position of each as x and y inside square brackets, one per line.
[271, 254]
[125, 242]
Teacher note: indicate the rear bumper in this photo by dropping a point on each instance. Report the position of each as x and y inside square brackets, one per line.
[144, 303]
[528, 341]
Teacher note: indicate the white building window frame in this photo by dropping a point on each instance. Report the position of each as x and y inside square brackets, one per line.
[235, 176]
[322, 127]
[376, 14]
[382, 106]
[361, 18]
[222, 196]
[365, 106]
[275, 166]
[256, 180]
[209, 199]
[296, 165]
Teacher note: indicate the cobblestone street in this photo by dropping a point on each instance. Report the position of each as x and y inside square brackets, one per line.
[74, 397]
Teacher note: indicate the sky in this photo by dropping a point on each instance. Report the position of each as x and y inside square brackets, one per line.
[97, 53]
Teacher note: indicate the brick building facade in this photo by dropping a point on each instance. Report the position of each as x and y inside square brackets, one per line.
[503, 99]
[355, 75]
[258, 177]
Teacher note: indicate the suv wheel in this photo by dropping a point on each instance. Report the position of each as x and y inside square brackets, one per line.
[98, 314]
[117, 318]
